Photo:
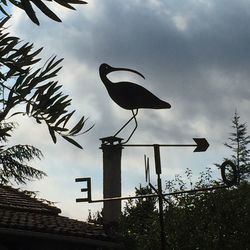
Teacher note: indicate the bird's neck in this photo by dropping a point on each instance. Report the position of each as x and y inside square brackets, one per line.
[105, 80]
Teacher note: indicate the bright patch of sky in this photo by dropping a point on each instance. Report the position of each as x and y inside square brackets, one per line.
[180, 22]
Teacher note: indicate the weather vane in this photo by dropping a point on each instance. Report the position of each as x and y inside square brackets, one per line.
[130, 96]
[133, 97]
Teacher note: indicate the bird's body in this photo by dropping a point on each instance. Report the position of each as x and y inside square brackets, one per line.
[136, 98]
[130, 96]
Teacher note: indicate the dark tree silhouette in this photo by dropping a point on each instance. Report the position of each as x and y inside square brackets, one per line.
[13, 164]
[27, 6]
[24, 83]
[33, 90]
[238, 143]
[216, 219]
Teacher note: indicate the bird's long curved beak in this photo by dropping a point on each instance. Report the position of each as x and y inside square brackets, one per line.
[130, 70]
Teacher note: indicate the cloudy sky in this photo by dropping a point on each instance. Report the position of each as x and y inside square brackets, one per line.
[194, 54]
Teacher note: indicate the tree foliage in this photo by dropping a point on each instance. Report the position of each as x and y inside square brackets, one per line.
[13, 164]
[25, 83]
[139, 222]
[14, 160]
[238, 143]
[29, 89]
[27, 6]
[216, 219]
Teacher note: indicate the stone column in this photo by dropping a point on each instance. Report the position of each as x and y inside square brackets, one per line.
[112, 153]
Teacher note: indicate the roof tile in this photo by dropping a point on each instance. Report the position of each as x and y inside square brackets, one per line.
[20, 211]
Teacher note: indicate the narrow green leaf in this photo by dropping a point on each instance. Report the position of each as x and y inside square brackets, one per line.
[8, 48]
[87, 130]
[31, 77]
[77, 127]
[52, 133]
[28, 108]
[51, 75]
[46, 10]
[3, 11]
[29, 10]
[68, 117]
[6, 40]
[36, 52]
[51, 65]
[65, 4]
[16, 113]
[60, 129]
[3, 21]
[72, 141]
[76, 1]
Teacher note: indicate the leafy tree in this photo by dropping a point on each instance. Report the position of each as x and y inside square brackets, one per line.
[210, 220]
[14, 166]
[193, 220]
[96, 218]
[238, 143]
[35, 88]
[26, 5]
[26, 86]
[139, 225]
[14, 159]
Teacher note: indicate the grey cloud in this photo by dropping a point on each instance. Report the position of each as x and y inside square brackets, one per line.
[179, 65]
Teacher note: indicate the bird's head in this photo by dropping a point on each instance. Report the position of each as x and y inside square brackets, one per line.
[105, 69]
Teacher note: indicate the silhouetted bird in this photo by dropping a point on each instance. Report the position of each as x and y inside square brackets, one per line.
[129, 95]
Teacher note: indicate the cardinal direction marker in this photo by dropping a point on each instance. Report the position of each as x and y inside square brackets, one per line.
[157, 159]
[234, 178]
[147, 169]
[88, 189]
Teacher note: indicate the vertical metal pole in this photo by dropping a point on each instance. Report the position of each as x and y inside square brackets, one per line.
[158, 172]
[112, 152]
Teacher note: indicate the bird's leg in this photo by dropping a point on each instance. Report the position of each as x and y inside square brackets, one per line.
[136, 125]
[133, 117]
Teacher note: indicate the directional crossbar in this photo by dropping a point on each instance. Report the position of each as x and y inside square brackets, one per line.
[200, 146]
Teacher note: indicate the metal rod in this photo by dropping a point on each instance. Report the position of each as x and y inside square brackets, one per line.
[153, 195]
[161, 215]
[195, 190]
[136, 125]
[161, 145]
[133, 117]
[159, 192]
[124, 198]
[156, 191]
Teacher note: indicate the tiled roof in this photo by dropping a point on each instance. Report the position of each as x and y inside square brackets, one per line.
[14, 199]
[22, 212]
[47, 223]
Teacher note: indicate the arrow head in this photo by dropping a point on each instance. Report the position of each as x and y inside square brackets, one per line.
[202, 144]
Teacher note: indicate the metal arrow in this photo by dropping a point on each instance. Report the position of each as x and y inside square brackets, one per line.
[201, 145]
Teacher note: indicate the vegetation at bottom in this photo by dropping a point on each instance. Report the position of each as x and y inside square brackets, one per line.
[217, 219]
[210, 220]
